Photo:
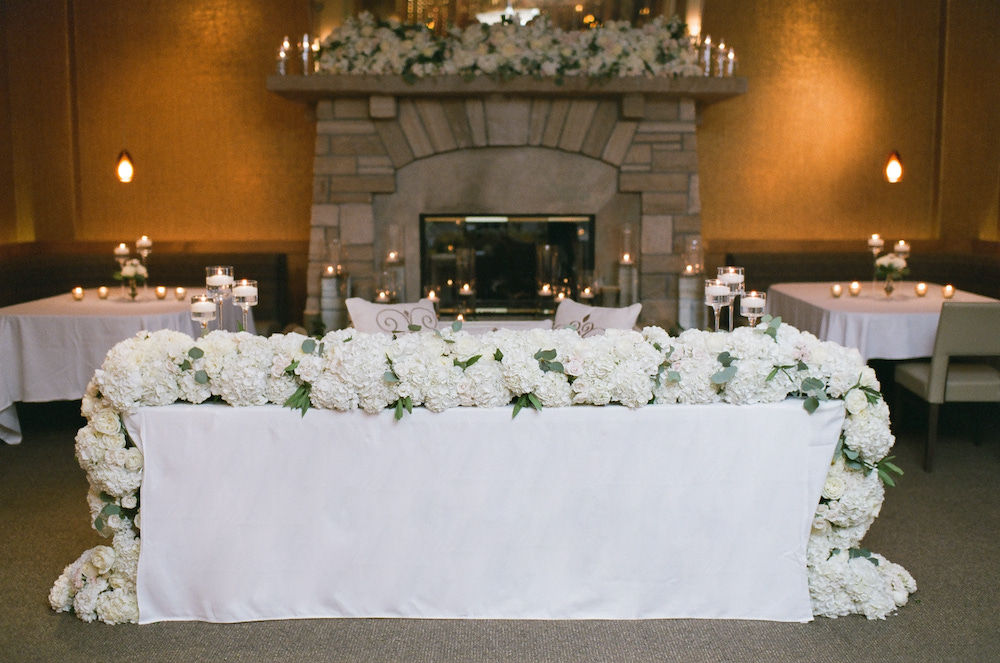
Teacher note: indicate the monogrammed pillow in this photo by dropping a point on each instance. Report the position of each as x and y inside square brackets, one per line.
[390, 318]
[591, 320]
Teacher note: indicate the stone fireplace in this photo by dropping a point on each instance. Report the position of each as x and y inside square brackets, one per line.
[623, 151]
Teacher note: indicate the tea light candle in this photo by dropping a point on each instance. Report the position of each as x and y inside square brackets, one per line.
[920, 289]
[561, 296]
[836, 290]
[948, 291]
[102, 292]
[689, 269]
[875, 242]
[546, 290]
[901, 247]
[161, 292]
[121, 250]
[466, 289]
[854, 288]
[383, 297]
[143, 243]
[78, 293]
[587, 293]
[460, 317]
[393, 257]
[433, 297]
[626, 259]
[244, 289]
[203, 306]
[180, 293]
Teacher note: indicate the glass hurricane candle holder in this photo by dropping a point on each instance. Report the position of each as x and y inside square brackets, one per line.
[920, 289]
[732, 277]
[948, 291]
[854, 288]
[219, 284]
[752, 306]
[203, 311]
[78, 294]
[102, 292]
[717, 295]
[836, 290]
[245, 296]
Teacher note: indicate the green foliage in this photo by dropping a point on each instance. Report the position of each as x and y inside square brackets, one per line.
[545, 362]
[498, 356]
[728, 371]
[468, 362]
[772, 326]
[814, 391]
[300, 399]
[414, 328]
[524, 400]
[456, 326]
[402, 404]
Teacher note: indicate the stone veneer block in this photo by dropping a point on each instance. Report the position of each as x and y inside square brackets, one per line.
[454, 110]
[350, 108]
[688, 110]
[340, 197]
[633, 106]
[507, 121]
[619, 143]
[657, 234]
[600, 129]
[664, 203]
[639, 153]
[578, 120]
[335, 165]
[322, 145]
[394, 143]
[660, 139]
[476, 116]
[335, 127]
[667, 160]
[661, 110]
[647, 127]
[327, 216]
[317, 243]
[653, 286]
[375, 165]
[382, 107]
[690, 142]
[554, 123]
[659, 312]
[536, 125]
[321, 189]
[660, 263]
[362, 183]
[357, 224]
[356, 145]
[359, 253]
[324, 109]
[436, 124]
[635, 168]
[694, 196]
[640, 182]
[413, 129]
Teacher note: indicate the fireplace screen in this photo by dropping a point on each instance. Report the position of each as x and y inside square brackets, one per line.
[506, 265]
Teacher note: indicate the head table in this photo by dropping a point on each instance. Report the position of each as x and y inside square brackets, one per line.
[255, 513]
[902, 326]
[50, 348]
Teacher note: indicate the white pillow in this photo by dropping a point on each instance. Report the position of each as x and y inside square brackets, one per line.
[591, 320]
[391, 318]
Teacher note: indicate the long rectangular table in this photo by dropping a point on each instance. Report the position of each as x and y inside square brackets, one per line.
[899, 327]
[50, 348]
[581, 512]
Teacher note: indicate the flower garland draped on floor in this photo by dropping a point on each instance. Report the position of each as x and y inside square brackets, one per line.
[347, 370]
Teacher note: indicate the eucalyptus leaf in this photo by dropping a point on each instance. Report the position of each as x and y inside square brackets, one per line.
[308, 345]
[547, 355]
[399, 409]
[811, 404]
[408, 404]
[414, 328]
[196, 353]
[186, 365]
[772, 374]
[99, 524]
[456, 326]
[673, 376]
[498, 356]
[726, 359]
[724, 376]
[389, 376]
[201, 377]
[535, 403]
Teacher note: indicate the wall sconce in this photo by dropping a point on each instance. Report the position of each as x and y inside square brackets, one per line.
[125, 169]
[893, 168]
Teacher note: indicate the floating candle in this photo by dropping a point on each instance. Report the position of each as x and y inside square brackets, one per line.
[161, 292]
[836, 290]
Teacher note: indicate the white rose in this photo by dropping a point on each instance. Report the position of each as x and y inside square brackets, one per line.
[102, 558]
[129, 501]
[856, 401]
[868, 378]
[834, 487]
[107, 422]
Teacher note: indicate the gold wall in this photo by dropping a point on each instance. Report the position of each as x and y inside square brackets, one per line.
[834, 86]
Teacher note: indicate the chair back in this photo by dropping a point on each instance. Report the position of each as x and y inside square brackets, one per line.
[965, 329]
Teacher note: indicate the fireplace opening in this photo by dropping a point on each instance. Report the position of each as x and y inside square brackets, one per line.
[497, 265]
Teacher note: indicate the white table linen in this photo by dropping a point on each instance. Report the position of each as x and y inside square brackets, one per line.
[582, 512]
[899, 327]
[50, 348]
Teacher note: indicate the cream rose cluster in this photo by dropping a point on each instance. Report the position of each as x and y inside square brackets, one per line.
[347, 370]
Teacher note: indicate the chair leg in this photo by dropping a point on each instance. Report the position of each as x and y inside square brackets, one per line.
[932, 425]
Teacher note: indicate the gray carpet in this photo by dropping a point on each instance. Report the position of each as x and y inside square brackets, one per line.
[943, 527]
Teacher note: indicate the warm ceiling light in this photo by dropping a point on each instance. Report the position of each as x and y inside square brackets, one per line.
[125, 170]
[894, 168]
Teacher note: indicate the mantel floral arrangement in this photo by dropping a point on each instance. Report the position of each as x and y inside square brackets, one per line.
[366, 46]
[347, 370]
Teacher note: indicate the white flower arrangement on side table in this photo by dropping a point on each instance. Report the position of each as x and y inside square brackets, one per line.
[348, 370]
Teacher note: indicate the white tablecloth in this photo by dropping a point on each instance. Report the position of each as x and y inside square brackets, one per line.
[899, 327]
[50, 348]
[579, 512]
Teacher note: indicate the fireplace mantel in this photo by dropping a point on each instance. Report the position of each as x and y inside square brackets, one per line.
[623, 150]
[703, 89]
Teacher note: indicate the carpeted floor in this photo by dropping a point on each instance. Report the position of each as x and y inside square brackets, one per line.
[943, 527]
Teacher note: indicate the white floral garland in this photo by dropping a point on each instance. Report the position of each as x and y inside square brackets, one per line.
[440, 370]
[364, 46]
